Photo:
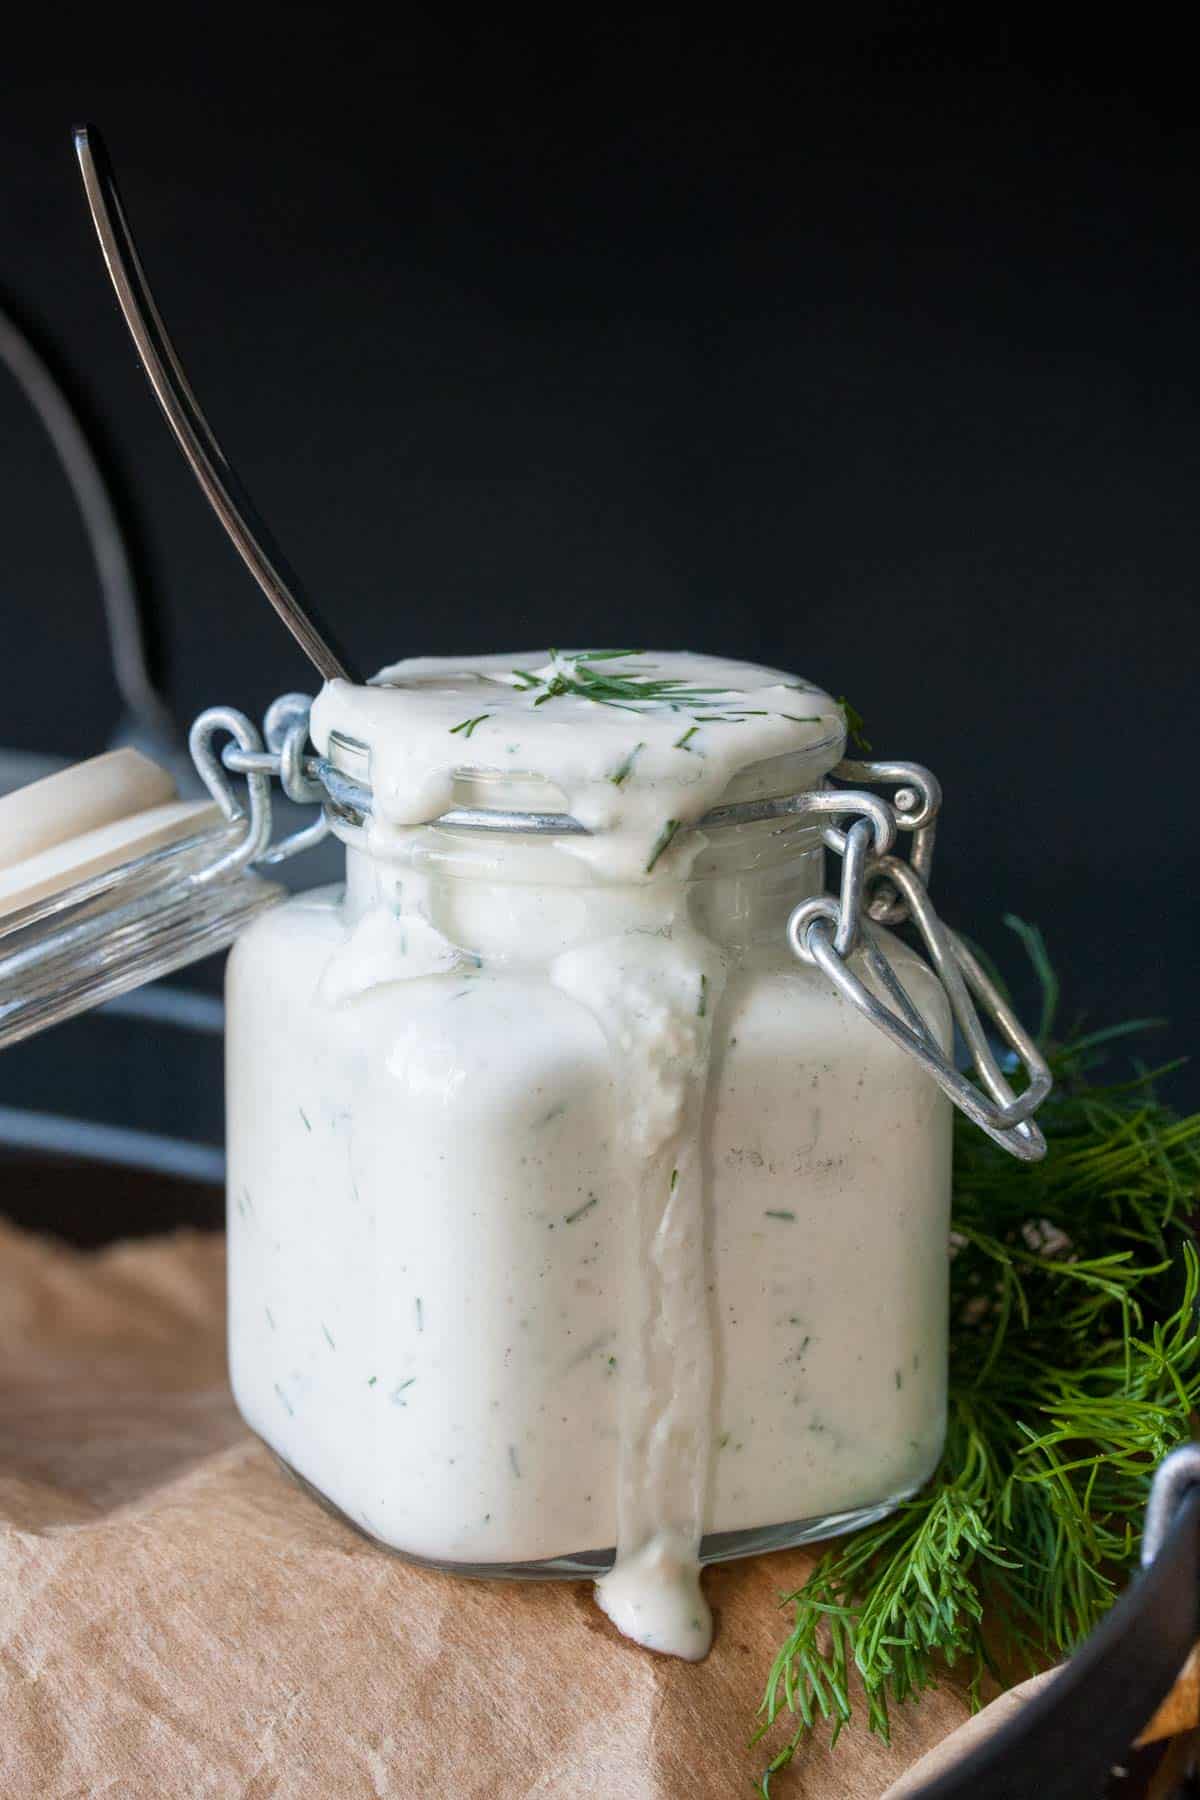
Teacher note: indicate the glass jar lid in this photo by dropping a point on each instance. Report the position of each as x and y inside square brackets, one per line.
[108, 880]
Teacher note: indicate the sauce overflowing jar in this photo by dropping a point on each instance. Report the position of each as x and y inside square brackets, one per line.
[560, 1188]
[589, 1165]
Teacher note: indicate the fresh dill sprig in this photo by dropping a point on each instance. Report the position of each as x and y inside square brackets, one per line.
[632, 688]
[590, 675]
[1074, 1368]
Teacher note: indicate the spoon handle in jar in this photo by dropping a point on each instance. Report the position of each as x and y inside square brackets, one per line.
[208, 462]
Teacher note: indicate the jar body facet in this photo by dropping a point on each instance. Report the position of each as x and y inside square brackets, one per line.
[425, 1221]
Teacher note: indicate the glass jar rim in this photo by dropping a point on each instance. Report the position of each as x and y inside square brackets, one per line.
[521, 802]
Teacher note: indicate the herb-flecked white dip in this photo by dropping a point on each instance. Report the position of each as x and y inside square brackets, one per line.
[566, 1209]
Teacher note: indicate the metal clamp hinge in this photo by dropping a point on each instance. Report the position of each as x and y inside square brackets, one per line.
[878, 887]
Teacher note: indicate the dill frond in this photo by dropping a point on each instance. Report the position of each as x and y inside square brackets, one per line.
[1074, 1368]
[634, 687]
[590, 675]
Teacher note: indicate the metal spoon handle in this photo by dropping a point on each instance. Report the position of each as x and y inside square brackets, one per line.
[208, 462]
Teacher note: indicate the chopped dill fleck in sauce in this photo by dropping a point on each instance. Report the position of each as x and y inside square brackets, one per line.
[703, 1006]
[513, 1463]
[397, 1394]
[779, 1213]
[371, 1380]
[328, 1339]
[305, 1117]
[664, 839]
[592, 1200]
[420, 1311]
[287, 1403]
[624, 769]
[467, 726]
[681, 743]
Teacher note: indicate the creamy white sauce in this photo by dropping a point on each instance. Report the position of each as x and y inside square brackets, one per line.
[624, 774]
[712, 1219]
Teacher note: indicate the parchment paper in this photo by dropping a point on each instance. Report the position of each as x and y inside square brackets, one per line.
[178, 1619]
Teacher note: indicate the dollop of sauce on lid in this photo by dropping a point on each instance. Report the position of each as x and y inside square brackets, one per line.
[636, 745]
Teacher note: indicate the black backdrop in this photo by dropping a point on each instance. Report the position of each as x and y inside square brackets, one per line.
[869, 350]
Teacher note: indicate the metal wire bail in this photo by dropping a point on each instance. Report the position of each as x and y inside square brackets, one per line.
[211, 770]
[285, 728]
[825, 931]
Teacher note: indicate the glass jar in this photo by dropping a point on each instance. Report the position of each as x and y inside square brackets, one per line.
[434, 1257]
[580, 1205]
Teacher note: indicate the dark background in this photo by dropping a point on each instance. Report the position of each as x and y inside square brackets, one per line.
[868, 349]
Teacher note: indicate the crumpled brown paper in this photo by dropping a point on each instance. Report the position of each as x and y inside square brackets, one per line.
[177, 1618]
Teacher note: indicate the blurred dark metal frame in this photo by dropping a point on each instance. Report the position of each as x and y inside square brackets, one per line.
[124, 609]
[148, 722]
